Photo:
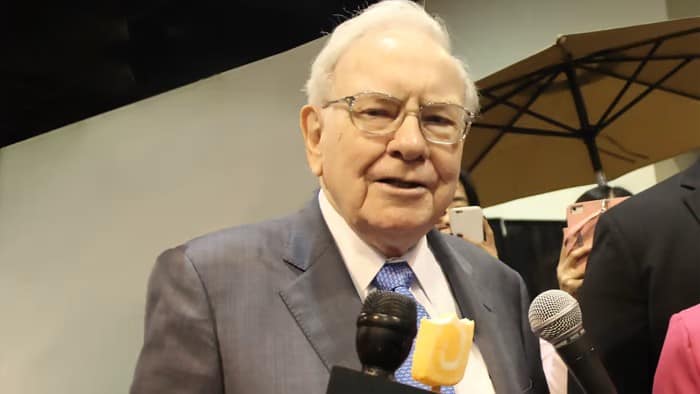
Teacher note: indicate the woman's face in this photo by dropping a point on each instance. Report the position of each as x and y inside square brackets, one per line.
[458, 200]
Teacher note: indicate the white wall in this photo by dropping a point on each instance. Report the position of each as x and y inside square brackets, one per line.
[682, 8]
[85, 210]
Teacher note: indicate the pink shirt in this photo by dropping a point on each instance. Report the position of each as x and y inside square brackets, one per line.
[678, 371]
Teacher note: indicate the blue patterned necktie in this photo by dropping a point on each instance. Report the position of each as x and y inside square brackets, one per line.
[398, 277]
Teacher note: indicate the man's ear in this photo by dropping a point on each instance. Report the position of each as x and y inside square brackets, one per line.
[310, 123]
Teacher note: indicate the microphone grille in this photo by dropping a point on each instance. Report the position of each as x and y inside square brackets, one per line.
[554, 315]
[392, 304]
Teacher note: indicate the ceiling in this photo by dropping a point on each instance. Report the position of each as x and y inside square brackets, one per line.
[63, 63]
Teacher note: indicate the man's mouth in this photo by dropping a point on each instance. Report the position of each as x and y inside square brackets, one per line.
[401, 183]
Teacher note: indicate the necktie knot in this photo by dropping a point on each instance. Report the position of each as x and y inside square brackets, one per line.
[394, 276]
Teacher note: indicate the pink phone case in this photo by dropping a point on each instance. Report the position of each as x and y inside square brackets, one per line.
[581, 219]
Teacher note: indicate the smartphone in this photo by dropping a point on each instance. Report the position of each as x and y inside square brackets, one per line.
[581, 219]
[575, 213]
[467, 221]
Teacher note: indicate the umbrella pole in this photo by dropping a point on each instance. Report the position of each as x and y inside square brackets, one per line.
[589, 140]
[588, 131]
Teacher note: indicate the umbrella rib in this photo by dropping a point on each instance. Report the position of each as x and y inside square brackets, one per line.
[577, 97]
[526, 130]
[588, 134]
[623, 77]
[585, 59]
[628, 83]
[622, 59]
[533, 113]
[616, 155]
[644, 94]
[513, 92]
[642, 43]
[619, 146]
[514, 119]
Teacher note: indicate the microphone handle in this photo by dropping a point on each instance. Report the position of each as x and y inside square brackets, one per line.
[584, 363]
[347, 381]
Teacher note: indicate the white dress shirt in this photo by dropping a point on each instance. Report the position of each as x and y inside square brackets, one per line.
[555, 370]
[430, 288]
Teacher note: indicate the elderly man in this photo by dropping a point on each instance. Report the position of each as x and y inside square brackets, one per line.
[271, 307]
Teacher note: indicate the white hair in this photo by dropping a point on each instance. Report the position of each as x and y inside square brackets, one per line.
[385, 14]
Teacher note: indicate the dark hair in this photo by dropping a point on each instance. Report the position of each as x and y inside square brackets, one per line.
[600, 192]
[469, 189]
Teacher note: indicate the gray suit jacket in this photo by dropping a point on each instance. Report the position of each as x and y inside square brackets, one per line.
[270, 308]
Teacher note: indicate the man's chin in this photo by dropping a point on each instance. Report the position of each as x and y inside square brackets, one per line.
[408, 221]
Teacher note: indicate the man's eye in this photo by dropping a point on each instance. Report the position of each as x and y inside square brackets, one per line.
[438, 120]
[377, 112]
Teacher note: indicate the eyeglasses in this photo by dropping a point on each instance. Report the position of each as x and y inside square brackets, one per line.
[381, 114]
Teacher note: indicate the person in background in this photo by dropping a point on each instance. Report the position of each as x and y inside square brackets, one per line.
[644, 267]
[271, 307]
[678, 371]
[466, 195]
[570, 270]
[570, 274]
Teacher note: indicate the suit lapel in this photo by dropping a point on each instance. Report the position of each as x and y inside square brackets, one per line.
[691, 180]
[467, 293]
[325, 304]
[322, 299]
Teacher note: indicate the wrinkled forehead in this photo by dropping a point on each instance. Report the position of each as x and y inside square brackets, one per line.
[402, 63]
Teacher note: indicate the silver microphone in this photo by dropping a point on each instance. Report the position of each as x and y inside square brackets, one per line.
[555, 316]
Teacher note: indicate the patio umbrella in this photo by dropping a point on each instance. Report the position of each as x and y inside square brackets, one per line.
[592, 105]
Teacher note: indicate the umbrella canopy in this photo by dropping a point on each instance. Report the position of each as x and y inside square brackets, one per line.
[593, 104]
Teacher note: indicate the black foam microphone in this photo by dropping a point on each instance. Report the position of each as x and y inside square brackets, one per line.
[555, 316]
[386, 328]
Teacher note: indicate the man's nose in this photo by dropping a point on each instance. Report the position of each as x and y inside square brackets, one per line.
[408, 142]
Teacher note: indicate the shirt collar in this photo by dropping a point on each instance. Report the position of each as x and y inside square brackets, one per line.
[364, 262]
